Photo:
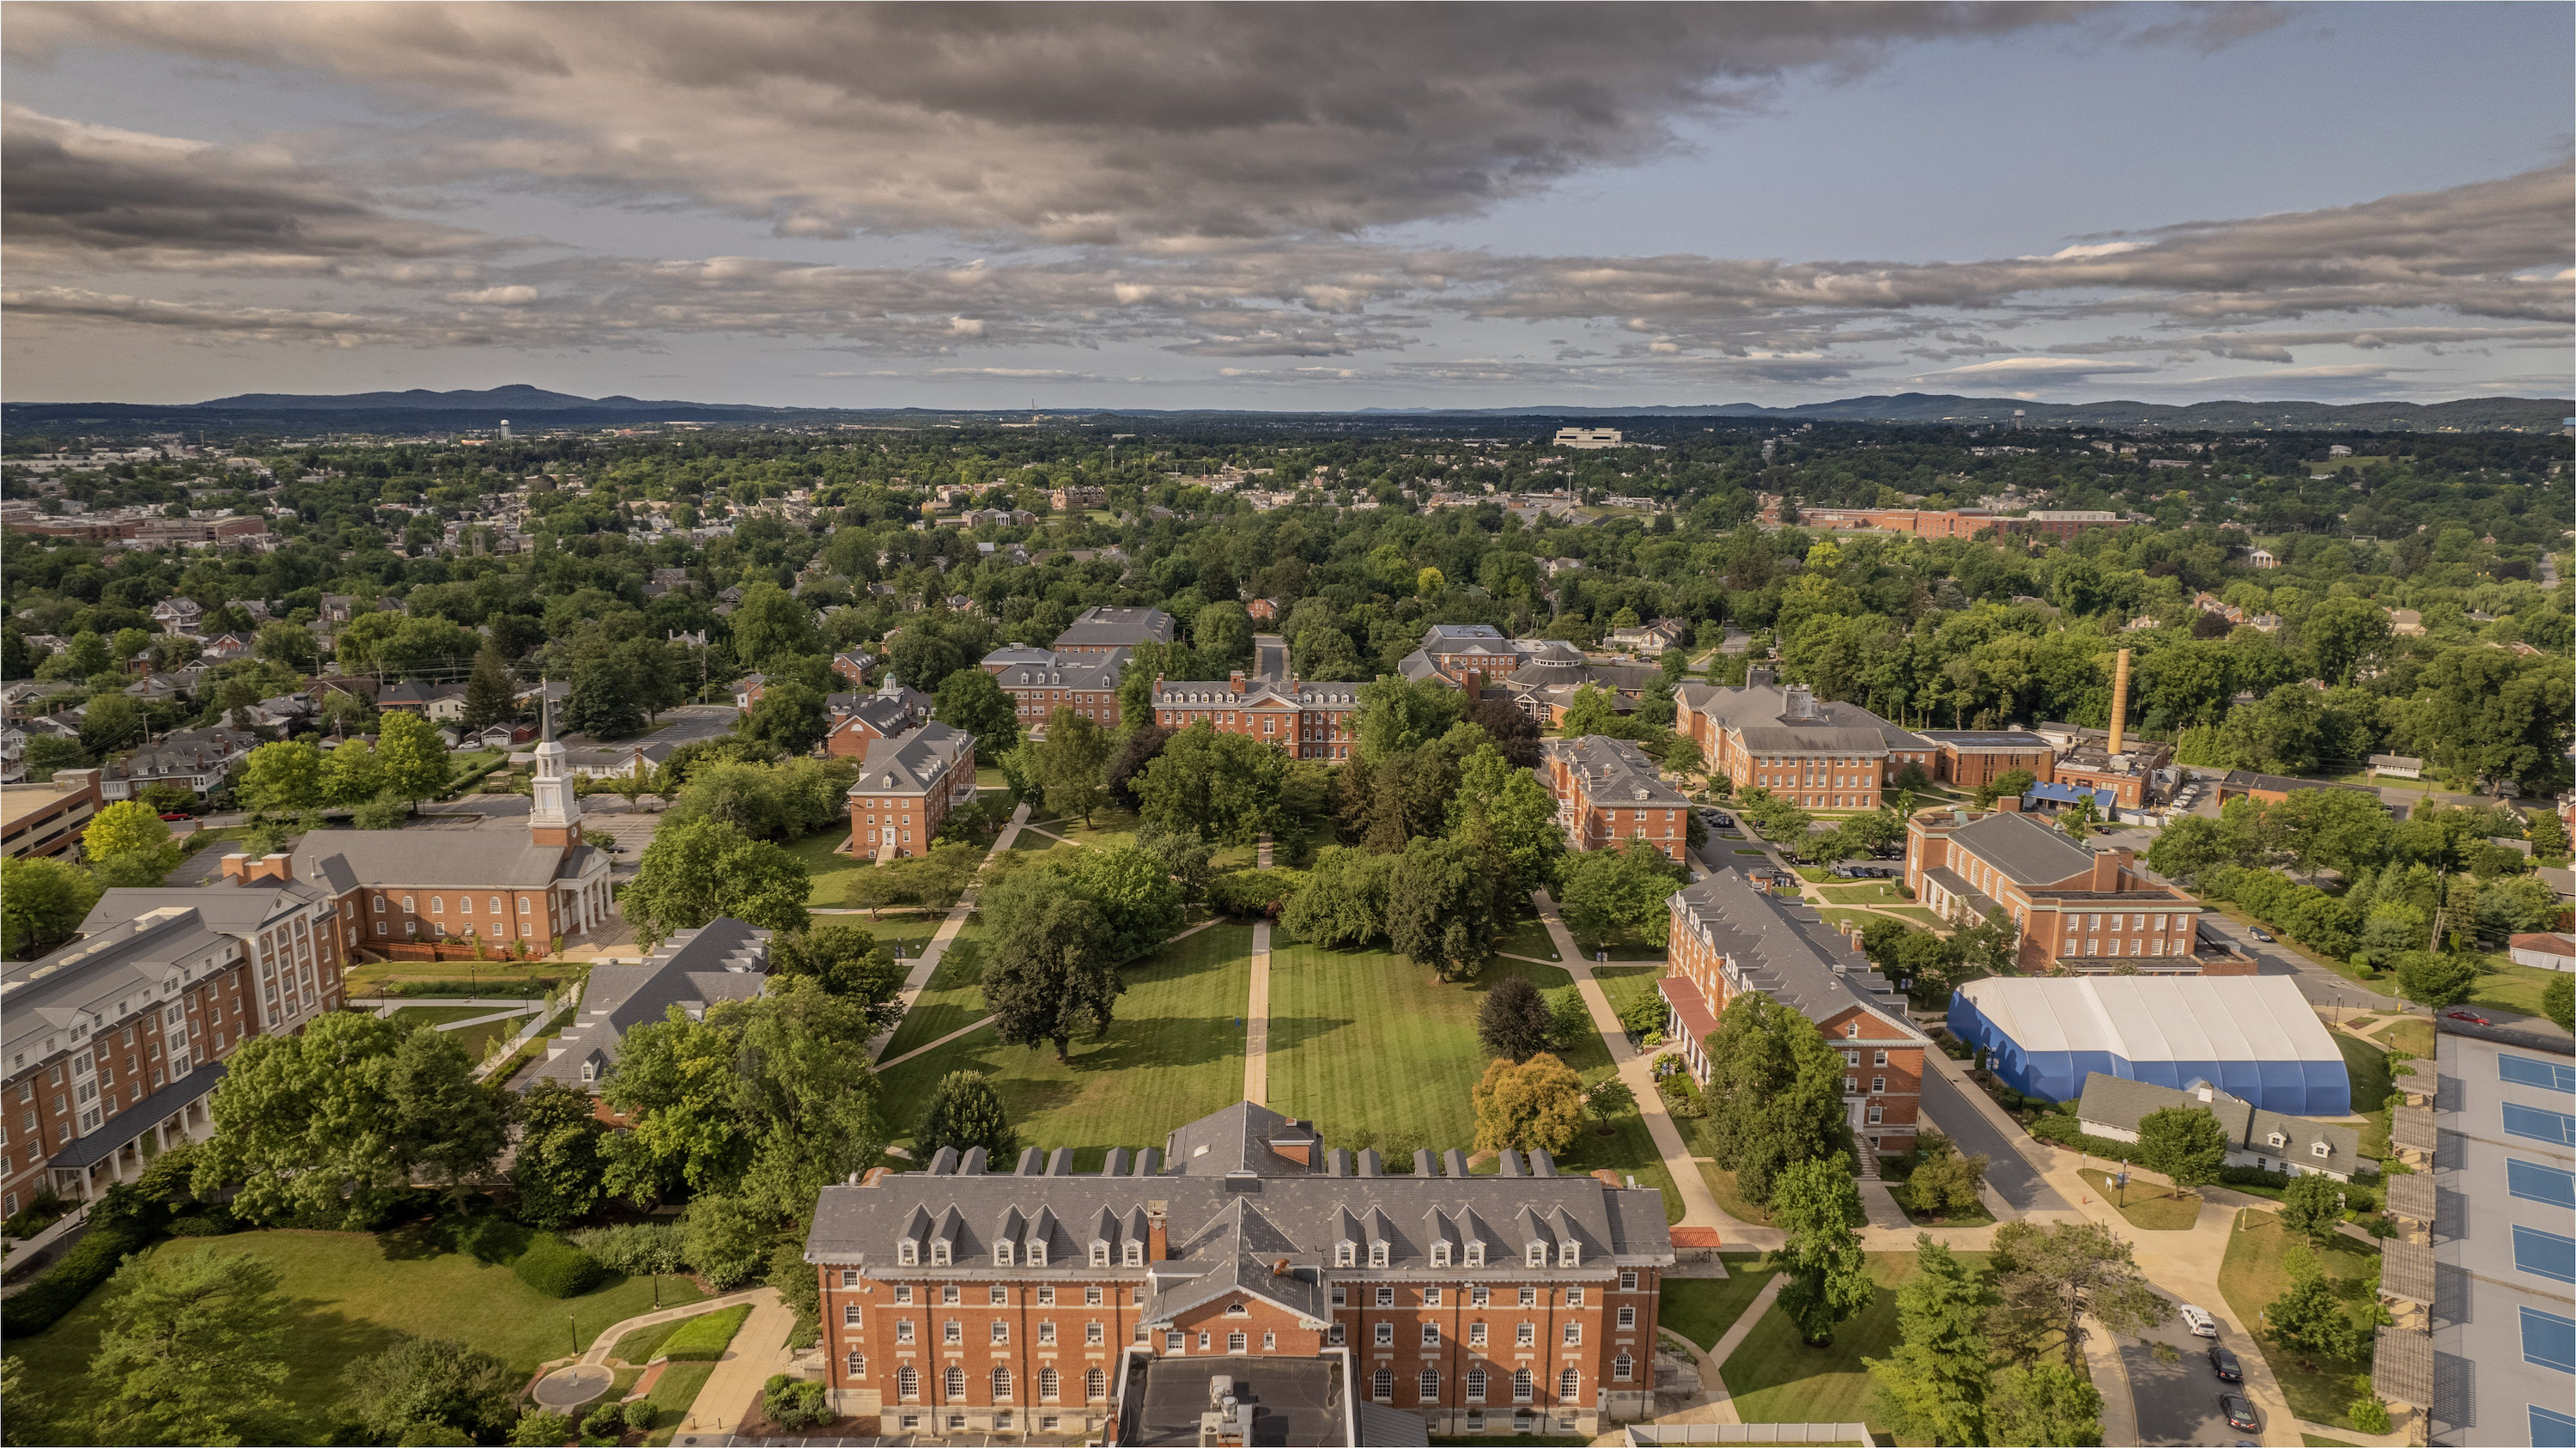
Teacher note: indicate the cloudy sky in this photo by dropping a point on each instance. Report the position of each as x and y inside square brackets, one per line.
[1285, 207]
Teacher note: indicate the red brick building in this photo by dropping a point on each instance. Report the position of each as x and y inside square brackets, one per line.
[860, 720]
[1969, 758]
[906, 788]
[1609, 793]
[964, 1299]
[1310, 721]
[2079, 907]
[1100, 629]
[1040, 683]
[1815, 753]
[1728, 938]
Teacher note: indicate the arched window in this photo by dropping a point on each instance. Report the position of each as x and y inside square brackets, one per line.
[1623, 1368]
[1346, 1254]
[464, 904]
[1475, 1254]
[496, 905]
[956, 1384]
[1428, 1389]
[1049, 1385]
[857, 1365]
[437, 904]
[1135, 1254]
[1382, 1385]
[1095, 1385]
[407, 905]
[1439, 1254]
[1475, 1385]
[939, 1253]
[1569, 1386]
[907, 1384]
[1099, 1254]
[1001, 1254]
[1524, 1385]
[1537, 1256]
[907, 1253]
[1001, 1385]
[1377, 1254]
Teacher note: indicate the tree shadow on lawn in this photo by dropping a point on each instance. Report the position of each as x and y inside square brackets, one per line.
[1287, 1033]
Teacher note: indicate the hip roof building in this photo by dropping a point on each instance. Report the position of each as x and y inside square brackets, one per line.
[2254, 1037]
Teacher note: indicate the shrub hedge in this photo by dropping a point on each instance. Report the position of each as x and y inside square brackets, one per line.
[91, 1261]
[556, 1267]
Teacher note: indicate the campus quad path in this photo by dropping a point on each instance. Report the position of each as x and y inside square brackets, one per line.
[923, 969]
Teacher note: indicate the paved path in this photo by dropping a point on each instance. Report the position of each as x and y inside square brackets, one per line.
[1967, 1115]
[919, 979]
[758, 1350]
[602, 1345]
[1256, 1016]
[1699, 1207]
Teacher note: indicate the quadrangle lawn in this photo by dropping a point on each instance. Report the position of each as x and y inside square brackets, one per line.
[437, 1015]
[954, 997]
[823, 867]
[351, 1295]
[1703, 1308]
[1174, 1054]
[1778, 1379]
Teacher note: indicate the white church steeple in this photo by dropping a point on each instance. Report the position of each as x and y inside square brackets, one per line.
[554, 816]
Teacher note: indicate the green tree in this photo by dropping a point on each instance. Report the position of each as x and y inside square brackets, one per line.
[1221, 635]
[2186, 1143]
[1398, 715]
[1532, 1105]
[1515, 1020]
[2049, 1277]
[1070, 764]
[2438, 982]
[42, 903]
[787, 716]
[846, 961]
[113, 723]
[413, 758]
[560, 1170]
[423, 1388]
[674, 1081]
[192, 1352]
[2044, 1405]
[974, 701]
[1592, 710]
[2342, 633]
[725, 1239]
[336, 1122]
[1825, 1275]
[1343, 902]
[1775, 1096]
[88, 655]
[697, 870]
[2558, 1001]
[1932, 1388]
[1221, 787]
[1183, 856]
[2309, 1319]
[128, 845]
[1605, 891]
[1942, 1180]
[2015, 782]
[489, 698]
[1136, 898]
[964, 1112]
[771, 630]
[350, 774]
[2312, 1207]
[282, 776]
[2548, 837]
[607, 701]
[1506, 803]
[1440, 907]
[1609, 1097]
[1052, 969]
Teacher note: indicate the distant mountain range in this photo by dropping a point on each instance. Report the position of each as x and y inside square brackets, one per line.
[420, 410]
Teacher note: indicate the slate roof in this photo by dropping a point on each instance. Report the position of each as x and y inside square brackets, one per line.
[1765, 704]
[1613, 772]
[446, 859]
[1104, 625]
[1468, 638]
[919, 760]
[89, 982]
[1230, 1210]
[723, 960]
[1786, 953]
[2119, 1102]
[2025, 850]
[1985, 738]
[1060, 671]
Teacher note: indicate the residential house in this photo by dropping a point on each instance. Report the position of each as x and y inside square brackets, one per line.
[1653, 638]
[722, 960]
[2544, 950]
[179, 615]
[1133, 1303]
[2113, 1106]
[194, 759]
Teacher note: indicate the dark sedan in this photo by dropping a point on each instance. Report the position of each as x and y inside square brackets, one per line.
[2240, 1412]
[2225, 1365]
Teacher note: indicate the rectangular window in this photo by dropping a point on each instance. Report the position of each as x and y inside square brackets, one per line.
[2551, 1429]
[2547, 1075]
[1475, 1334]
[1386, 1334]
[2555, 1127]
[2533, 1182]
[1627, 1319]
[2549, 1340]
[2544, 1254]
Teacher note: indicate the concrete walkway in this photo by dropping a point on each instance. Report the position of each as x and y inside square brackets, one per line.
[1699, 1206]
[1256, 1017]
[758, 1351]
[607, 1341]
[923, 969]
[2111, 1380]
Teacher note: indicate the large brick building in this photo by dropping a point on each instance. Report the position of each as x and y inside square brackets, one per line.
[1099, 629]
[963, 1299]
[115, 1042]
[1609, 793]
[1040, 683]
[860, 720]
[1972, 757]
[1814, 753]
[2078, 907]
[906, 788]
[1310, 721]
[1728, 938]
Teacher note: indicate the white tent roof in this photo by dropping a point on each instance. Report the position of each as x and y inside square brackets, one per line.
[2158, 1018]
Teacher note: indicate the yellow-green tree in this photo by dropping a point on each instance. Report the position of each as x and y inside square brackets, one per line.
[126, 844]
[1535, 1104]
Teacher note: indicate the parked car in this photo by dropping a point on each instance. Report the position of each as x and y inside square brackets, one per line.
[1721, 819]
[2472, 1017]
[175, 815]
[2240, 1412]
[2261, 934]
[2225, 1365]
[2200, 1323]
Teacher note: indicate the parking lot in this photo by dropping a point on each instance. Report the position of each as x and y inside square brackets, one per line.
[2177, 1400]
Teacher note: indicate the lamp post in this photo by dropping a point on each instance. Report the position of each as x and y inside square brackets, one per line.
[573, 1325]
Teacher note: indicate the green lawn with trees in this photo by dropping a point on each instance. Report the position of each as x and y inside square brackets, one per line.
[1703, 1308]
[2265, 1260]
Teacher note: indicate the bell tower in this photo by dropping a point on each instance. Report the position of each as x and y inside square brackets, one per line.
[554, 817]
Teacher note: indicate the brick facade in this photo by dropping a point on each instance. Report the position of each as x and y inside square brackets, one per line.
[2078, 907]
[1609, 793]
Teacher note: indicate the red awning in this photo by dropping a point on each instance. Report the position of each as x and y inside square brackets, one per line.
[1682, 994]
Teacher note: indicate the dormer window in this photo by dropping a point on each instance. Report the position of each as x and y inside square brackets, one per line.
[939, 1254]
[1475, 1254]
[1377, 1254]
[2320, 1149]
[1001, 1254]
[1439, 1254]
[1135, 1254]
[1346, 1254]
[1569, 1254]
[1037, 1254]
[1537, 1254]
[1099, 1254]
[907, 1253]
[2278, 1139]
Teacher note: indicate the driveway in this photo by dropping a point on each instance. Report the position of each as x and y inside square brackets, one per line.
[2007, 1170]
[2177, 1401]
[2320, 986]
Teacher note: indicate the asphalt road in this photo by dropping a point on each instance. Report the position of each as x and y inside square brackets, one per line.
[2007, 1170]
[2320, 986]
[2177, 1401]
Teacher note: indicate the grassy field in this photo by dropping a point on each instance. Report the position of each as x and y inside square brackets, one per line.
[2255, 1274]
[364, 980]
[1876, 892]
[1730, 1197]
[826, 870]
[954, 997]
[351, 1295]
[2411, 1034]
[1910, 914]
[1528, 936]
[2506, 986]
[1622, 944]
[1368, 1047]
[1110, 825]
[1703, 1308]
[2148, 1206]
[438, 1015]
[673, 1395]
[1174, 1054]
[1626, 984]
[1778, 1379]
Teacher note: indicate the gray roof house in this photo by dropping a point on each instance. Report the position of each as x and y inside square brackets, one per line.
[723, 960]
[2113, 1106]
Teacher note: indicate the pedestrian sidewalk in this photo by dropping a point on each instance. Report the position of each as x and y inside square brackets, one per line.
[758, 1351]
[1256, 1017]
[918, 979]
[615, 1332]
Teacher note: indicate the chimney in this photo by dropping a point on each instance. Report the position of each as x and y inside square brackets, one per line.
[1235, 681]
[2008, 803]
[279, 868]
[234, 864]
[2119, 701]
[1279, 1268]
[1158, 1225]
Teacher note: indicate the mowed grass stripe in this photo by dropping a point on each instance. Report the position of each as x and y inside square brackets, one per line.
[1174, 1054]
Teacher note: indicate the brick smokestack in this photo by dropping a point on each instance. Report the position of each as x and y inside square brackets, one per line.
[1158, 1223]
[2119, 701]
